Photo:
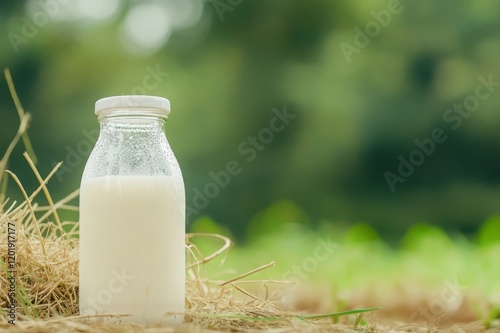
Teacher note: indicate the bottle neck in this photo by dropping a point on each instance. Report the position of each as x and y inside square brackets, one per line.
[132, 123]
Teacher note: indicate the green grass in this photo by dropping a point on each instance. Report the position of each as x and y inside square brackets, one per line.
[426, 257]
[300, 317]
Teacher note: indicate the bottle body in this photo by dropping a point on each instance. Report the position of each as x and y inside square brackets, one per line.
[132, 230]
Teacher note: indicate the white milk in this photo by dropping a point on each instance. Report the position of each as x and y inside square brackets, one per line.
[132, 254]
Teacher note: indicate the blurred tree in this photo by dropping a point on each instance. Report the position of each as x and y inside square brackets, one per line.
[226, 75]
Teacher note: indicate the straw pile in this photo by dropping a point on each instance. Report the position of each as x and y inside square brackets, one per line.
[45, 272]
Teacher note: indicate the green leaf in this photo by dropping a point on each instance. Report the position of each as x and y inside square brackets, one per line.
[488, 235]
[285, 317]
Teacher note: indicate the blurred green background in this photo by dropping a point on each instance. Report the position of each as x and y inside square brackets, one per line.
[360, 100]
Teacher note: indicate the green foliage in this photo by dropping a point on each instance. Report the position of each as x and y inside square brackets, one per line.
[427, 258]
[489, 234]
[207, 225]
[361, 233]
[493, 315]
[225, 77]
[273, 218]
[426, 238]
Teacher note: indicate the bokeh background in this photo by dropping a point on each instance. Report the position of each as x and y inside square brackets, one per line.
[228, 66]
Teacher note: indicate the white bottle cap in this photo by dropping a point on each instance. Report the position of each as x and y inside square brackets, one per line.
[154, 104]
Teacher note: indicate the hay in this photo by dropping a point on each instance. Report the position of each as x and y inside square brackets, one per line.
[46, 275]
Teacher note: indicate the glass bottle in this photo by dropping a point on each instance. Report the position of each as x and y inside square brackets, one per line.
[132, 214]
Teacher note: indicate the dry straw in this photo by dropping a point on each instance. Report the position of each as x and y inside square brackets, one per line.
[46, 274]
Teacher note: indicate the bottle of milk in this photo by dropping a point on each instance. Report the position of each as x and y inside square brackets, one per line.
[132, 211]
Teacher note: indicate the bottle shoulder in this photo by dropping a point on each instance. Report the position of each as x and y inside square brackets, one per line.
[132, 153]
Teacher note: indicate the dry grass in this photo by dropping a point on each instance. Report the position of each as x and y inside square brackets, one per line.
[46, 276]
